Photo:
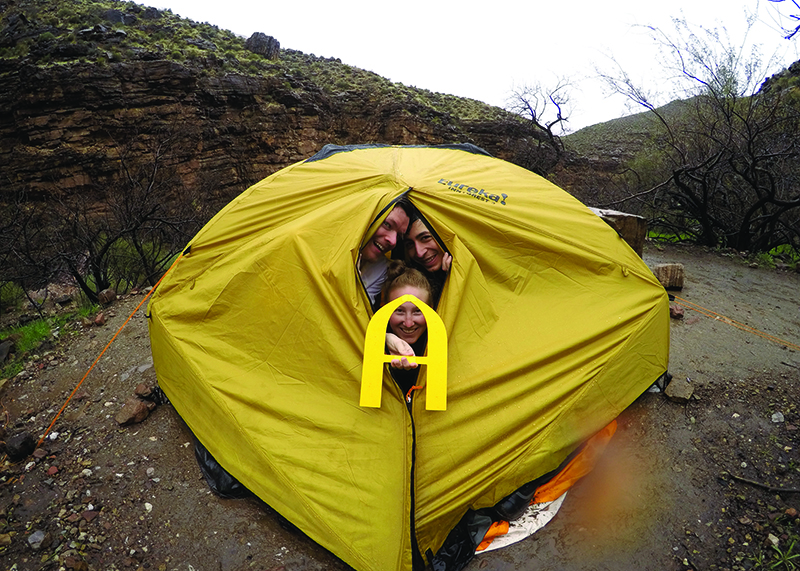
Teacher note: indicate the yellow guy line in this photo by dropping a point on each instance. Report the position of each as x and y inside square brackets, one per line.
[69, 398]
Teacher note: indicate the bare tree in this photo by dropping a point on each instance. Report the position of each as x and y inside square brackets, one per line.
[155, 213]
[727, 152]
[545, 109]
[26, 260]
[793, 28]
[83, 238]
[122, 235]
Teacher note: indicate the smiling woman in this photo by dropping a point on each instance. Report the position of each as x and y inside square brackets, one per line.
[407, 322]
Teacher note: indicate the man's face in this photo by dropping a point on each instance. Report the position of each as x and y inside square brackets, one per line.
[422, 248]
[386, 236]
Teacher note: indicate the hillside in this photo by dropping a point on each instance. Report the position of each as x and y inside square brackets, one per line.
[619, 140]
[607, 147]
[88, 88]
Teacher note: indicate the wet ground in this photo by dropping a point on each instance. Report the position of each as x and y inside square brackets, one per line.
[696, 486]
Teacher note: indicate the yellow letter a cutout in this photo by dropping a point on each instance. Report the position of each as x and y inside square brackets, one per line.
[375, 357]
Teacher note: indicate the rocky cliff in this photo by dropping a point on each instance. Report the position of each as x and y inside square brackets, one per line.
[75, 113]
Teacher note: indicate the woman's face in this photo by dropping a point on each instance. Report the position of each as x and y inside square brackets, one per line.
[407, 321]
[422, 248]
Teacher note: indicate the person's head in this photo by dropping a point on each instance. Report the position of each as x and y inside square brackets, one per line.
[407, 320]
[388, 233]
[422, 248]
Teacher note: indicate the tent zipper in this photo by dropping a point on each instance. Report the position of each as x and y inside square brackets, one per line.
[417, 562]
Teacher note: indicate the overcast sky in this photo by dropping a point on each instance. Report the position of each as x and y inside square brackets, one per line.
[484, 51]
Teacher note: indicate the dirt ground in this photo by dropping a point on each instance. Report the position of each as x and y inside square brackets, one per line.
[680, 487]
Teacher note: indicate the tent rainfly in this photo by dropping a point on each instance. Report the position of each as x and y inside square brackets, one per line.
[554, 327]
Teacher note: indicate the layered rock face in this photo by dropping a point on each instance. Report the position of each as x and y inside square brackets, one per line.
[70, 128]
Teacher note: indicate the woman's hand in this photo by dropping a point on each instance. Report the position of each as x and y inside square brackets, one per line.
[399, 347]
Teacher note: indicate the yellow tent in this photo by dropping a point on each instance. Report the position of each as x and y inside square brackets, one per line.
[554, 326]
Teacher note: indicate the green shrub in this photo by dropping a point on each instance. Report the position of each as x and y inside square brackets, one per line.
[787, 253]
[11, 295]
[65, 13]
[193, 52]
[21, 49]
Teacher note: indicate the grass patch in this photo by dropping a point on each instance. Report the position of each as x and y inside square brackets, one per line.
[26, 338]
[30, 336]
[11, 369]
[670, 237]
[786, 558]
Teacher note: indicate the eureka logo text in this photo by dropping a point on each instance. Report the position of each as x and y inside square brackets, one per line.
[480, 194]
